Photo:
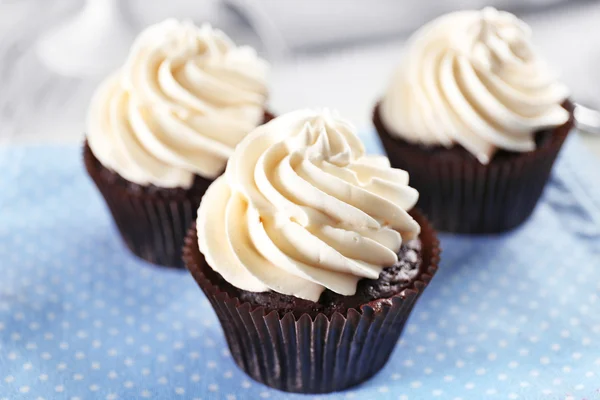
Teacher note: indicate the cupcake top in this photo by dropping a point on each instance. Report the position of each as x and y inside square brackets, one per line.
[473, 78]
[302, 208]
[183, 100]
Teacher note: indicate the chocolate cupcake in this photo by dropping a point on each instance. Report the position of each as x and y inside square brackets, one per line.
[309, 255]
[477, 119]
[161, 129]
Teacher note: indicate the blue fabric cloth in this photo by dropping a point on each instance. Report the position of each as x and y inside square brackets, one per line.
[508, 317]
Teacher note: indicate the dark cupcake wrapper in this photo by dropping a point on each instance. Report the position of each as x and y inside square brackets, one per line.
[459, 194]
[312, 355]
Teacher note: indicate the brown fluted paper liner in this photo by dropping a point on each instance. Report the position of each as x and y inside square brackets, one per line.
[312, 355]
[459, 194]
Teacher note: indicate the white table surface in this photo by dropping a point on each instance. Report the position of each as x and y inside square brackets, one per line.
[38, 106]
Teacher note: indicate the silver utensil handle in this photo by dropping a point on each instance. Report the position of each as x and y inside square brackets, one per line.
[587, 119]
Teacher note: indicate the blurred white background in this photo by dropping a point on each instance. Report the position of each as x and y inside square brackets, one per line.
[333, 53]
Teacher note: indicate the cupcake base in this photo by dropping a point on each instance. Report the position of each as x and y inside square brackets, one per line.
[316, 353]
[459, 194]
[152, 221]
[373, 292]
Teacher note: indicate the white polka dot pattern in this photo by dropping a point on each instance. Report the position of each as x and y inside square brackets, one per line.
[513, 316]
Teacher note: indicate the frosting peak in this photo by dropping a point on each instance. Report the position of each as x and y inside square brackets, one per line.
[301, 208]
[474, 78]
[183, 100]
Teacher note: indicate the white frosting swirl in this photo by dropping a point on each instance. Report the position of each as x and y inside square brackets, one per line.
[184, 99]
[301, 208]
[473, 78]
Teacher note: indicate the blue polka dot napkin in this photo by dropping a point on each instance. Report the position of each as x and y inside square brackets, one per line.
[514, 316]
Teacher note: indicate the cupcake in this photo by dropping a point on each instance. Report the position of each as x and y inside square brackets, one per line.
[311, 254]
[160, 130]
[477, 119]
